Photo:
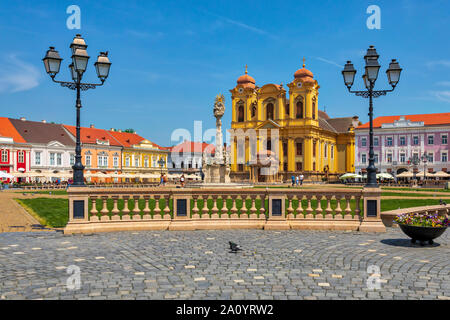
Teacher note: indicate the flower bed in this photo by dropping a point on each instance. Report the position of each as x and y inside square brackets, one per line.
[422, 220]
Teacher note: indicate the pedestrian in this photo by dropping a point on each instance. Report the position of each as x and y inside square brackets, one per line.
[161, 180]
[293, 180]
[297, 180]
[301, 178]
[182, 180]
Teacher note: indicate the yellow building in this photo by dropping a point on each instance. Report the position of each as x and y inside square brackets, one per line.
[303, 138]
[141, 156]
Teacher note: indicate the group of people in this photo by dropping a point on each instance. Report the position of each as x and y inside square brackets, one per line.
[297, 180]
[163, 180]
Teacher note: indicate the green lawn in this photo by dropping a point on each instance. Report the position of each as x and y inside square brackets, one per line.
[54, 212]
[52, 192]
[49, 212]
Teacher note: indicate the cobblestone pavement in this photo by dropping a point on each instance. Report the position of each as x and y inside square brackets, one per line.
[197, 265]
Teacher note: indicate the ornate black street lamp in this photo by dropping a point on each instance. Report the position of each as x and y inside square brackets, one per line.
[80, 58]
[370, 76]
[415, 161]
[161, 163]
[424, 159]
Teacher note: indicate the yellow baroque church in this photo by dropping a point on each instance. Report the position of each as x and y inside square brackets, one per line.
[309, 141]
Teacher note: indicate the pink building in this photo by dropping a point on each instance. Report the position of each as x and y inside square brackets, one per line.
[398, 139]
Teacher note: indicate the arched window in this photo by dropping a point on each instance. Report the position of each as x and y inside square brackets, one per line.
[241, 113]
[314, 110]
[269, 111]
[287, 109]
[253, 111]
[269, 144]
[299, 111]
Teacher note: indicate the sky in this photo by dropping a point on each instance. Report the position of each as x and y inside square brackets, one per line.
[171, 58]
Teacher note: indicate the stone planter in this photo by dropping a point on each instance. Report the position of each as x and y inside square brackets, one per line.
[422, 234]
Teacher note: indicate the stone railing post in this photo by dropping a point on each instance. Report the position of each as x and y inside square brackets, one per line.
[371, 221]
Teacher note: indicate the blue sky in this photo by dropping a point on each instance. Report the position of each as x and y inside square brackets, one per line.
[171, 58]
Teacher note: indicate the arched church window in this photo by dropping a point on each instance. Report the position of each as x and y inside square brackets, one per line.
[287, 109]
[241, 113]
[253, 111]
[314, 110]
[299, 114]
[269, 111]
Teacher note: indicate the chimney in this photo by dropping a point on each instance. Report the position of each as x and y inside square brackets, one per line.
[91, 126]
[112, 129]
[355, 121]
[120, 130]
[44, 121]
[23, 119]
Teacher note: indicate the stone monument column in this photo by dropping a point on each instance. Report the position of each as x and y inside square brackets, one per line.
[219, 110]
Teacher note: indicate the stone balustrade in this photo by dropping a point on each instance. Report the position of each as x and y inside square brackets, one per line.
[160, 208]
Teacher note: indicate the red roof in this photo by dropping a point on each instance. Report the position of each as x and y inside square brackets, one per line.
[8, 130]
[91, 135]
[125, 138]
[190, 146]
[428, 119]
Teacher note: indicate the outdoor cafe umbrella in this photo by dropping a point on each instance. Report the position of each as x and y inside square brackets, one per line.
[441, 174]
[4, 175]
[405, 174]
[384, 175]
[348, 175]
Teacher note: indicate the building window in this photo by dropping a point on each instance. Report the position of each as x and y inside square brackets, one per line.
[444, 139]
[332, 152]
[146, 162]
[314, 166]
[415, 140]
[430, 157]
[389, 157]
[127, 161]
[136, 162]
[88, 161]
[269, 109]
[402, 157]
[253, 111]
[285, 150]
[116, 162]
[363, 158]
[102, 161]
[430, 139]
[299, 166]
[299, 113]
[4, 156]
[59, 159]
[325, 150]
[37, 158]
[241, 113]
[314, 110]
[376, 142]
[444, 157]
[72, 159]
[314, 148]
[287, 109]
[52, 159]
[389, 141]
[299, 148]
[285, 166]
[363, 142]
[240, 167]
[415, 156]
[375, 157]
[21, 157]
[402, 141]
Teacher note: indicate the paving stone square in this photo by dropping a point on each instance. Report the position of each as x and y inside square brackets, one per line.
[294, 264]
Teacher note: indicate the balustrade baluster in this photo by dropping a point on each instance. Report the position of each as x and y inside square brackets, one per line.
[166, 209]
[94, 206]
[105, 210]
[136, 210]
[146, 210]
[253, 208]
[338, 209]
[262, 209]
[157, 209]
[224, 209]
[299, 210]
[195, 209]
[319, 209]
[214, 209]
[328, 210]
[309, 209]
[205, 210]
[115, 211]
[290, 209]
[357, 209]
[244, 210]
[234, 209]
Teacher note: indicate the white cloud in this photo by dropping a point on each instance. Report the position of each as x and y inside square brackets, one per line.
[329, 62]
[17, 75]
[437, 63]
[443, 83]
[442, 95]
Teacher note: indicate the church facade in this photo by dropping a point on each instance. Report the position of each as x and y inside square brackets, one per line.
[286, 124]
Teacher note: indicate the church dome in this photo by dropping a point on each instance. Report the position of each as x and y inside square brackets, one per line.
[303, 73]
[246, 81]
